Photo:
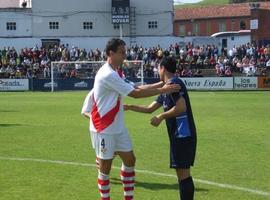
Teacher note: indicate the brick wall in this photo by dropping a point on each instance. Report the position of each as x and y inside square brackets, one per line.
[208, 27]
[263, 31]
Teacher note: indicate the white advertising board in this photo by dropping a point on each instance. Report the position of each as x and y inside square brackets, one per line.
[14, 84]
[213, 83]
[245, 83]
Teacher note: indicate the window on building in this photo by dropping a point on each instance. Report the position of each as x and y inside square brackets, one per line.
[232, 25]
[54, 25]
[87, 25]
[243, 25]
[11, 26]
[222, 27]
[196, 28]
[182, 30]
[152, 25]
[116, 26]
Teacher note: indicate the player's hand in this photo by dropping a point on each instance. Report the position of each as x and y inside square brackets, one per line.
[126, 107]
[156, 120]
[171, 88]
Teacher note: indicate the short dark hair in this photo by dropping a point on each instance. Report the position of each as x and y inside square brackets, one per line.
[113, 44]
[169, 63]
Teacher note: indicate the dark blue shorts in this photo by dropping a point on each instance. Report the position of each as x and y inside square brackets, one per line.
[182, 152]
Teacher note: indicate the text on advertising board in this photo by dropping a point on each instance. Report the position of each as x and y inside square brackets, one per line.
[14, 84]
[245, 82]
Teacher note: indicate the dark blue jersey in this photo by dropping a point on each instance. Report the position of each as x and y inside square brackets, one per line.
[181, 126]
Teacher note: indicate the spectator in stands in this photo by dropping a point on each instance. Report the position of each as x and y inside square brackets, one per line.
[252, 61]
[184, 73]
[18, 74]
[220, 68]
[34, 62]
[199, 62]
[46, 72]
[258, 71]
[206, 62]
[156, 74]
[177, 50]
[189, 73]
[250, 72]
[10, 73]
[267, 50]
[262, 61]
[231, 53]
[4, 55]
[267, 64]
[228, 71]
[198, 73]
[212, 61]
[215, 51]
[2, 72]
[73, 73]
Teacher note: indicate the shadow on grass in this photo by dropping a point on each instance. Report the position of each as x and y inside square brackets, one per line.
[156, 186]
[7, 111]
[9, 125]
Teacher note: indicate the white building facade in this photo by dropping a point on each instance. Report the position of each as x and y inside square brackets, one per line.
[84, 21]
[70, 18]
[15, 22]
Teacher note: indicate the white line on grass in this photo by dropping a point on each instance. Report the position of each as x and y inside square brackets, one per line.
[221, 185]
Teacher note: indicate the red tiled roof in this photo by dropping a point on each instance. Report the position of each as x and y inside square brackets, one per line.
[221, 11]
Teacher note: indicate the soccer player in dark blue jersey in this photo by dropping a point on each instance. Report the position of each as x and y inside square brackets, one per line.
[180, 125]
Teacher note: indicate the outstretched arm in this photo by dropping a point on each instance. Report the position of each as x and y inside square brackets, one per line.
[143, 109]
[148, 92]
[179, 108]
[154, 85]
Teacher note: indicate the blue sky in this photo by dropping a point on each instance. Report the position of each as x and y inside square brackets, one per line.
[186, 1]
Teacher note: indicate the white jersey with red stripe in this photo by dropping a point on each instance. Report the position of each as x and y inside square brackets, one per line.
[88, 103]
[107, 115]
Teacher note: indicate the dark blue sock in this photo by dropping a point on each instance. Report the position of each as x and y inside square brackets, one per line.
[186, 188]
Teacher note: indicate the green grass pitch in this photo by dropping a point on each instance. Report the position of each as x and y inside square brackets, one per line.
[48, 139]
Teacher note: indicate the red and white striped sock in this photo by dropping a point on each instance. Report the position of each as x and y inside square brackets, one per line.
[104, 186]
[128, 180]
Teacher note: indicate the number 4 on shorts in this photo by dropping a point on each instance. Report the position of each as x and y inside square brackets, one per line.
[102, 143]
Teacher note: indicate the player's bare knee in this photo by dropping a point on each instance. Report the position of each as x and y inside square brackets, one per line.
[130, 160]
[183, 173]
[105, 166]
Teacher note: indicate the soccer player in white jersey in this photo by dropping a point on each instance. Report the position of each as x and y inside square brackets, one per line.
[109, 134]
[86, 111]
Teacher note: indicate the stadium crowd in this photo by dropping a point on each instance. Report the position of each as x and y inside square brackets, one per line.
[248, 59]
